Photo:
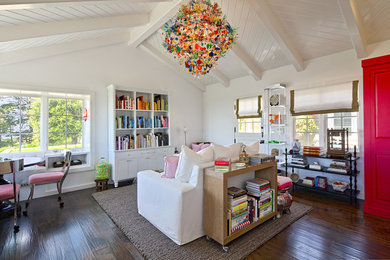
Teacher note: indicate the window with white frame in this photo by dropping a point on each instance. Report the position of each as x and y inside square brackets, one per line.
[330, 106]
[65, 123]
[248, 113]
[249, 125]
[33, 121]
[20, 118]
[347, 120]
[311, 130]
[307, 130]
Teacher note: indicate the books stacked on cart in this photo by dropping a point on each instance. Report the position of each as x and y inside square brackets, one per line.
[260, 197]
[312, 150]
[308, 181]
[339, 167]
[222, 164]
[298, 162]
[238, 215]
[260, 158]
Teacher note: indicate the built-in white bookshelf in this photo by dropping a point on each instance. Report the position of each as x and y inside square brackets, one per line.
[138, 120]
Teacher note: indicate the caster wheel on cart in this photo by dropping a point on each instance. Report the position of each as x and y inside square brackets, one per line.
[225, 248]
[208, 238]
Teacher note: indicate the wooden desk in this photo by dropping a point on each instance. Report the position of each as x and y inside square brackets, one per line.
[215, 200]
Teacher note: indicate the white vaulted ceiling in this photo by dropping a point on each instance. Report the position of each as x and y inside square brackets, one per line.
[271, 33]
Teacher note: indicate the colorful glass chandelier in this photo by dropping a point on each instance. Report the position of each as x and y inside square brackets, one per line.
[199, 36]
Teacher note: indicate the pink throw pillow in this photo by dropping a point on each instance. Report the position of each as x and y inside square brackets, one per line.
[283, 181]
[170, 165]
[204, 146]
[196, 147]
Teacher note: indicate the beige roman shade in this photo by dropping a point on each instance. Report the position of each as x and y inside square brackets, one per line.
[326, 99]
[248, 107]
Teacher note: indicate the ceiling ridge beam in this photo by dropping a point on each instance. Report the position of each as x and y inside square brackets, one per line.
[33, 4]
[40, 52]
[248, 62]
[19, 32]
[221, 77]
[275, 27]
[354, 23]
[158, 17]
[172, 65]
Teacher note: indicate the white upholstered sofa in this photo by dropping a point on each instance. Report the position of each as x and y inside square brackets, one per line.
[174, 207]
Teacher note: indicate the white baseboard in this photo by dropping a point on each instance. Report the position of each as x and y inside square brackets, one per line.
[72, 188]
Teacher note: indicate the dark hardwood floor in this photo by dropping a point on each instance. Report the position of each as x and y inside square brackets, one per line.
[81, 230]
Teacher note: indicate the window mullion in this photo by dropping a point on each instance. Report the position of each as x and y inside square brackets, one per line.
[20, 123]
[66, 123]
[44, 123]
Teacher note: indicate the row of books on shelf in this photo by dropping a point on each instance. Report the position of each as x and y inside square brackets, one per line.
[143, 104]
[143, 122]
[124, 102]
[250, 205]
[152, 140]
[124, 142]
[160, 122]
[124, 122]
[128, 142]
[160, 103]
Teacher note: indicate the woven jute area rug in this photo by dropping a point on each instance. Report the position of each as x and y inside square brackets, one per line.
[121, 205]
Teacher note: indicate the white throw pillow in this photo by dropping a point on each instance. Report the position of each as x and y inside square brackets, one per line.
[188, 158]
[252, 149]
[230, 152]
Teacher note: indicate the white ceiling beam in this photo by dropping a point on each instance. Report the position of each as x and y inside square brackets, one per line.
[355, 26]
[32, 4]
[175, 67]
[248, 62]
[221, 77]
[34, 53]
[19, 32]
[275, 27]
[158, 17]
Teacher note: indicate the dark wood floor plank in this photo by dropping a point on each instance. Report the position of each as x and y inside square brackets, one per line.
[82, 230]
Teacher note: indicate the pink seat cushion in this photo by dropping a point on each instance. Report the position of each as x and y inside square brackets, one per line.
[45, 177]
[284, 182]
[170, 166]
[7, 191]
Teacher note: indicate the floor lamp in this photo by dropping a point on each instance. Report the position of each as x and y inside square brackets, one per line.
[185, 129]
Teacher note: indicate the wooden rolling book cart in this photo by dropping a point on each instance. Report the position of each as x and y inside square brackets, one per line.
[215, 200]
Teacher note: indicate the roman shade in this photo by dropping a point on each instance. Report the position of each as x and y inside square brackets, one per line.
[248, 107]
[335, 98]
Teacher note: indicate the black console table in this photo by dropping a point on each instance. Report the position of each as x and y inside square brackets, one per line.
[350, 193]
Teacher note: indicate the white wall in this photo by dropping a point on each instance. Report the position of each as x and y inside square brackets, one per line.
[93, 70]
[218, 101]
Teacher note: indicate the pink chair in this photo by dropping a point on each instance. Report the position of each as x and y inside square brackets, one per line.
[10, 191]
[50, 177]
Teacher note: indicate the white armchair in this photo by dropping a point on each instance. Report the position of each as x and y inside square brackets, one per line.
[174, 207]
